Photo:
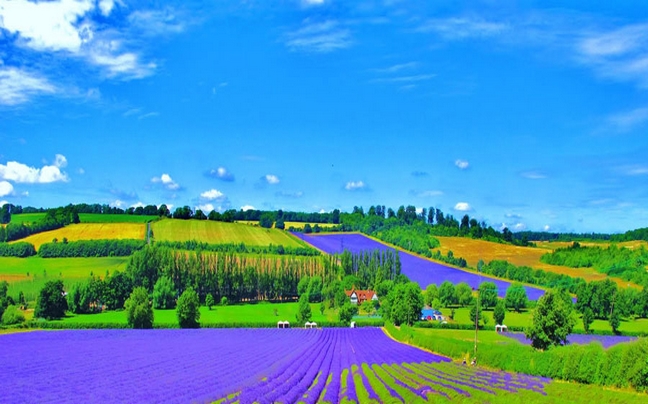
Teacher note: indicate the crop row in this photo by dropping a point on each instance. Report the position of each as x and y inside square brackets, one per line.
[234, 365]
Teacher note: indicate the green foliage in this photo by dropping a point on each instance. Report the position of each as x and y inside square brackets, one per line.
[209, 301]
[506, 270]
[368, 306]
[20, 250]
[403, 304]
[628, 264]
[87, 297]
[266, 220]
[117, 288]
[447, 293]
[188, 310]
[430, 295]
[488, 294]
[588, 319]
[239, 248]
[615, 321]
[53, 219]
[516, 297]
[476, 315]
[51, 303]
[499, 313]
[315, 289]
[346, 313]
[224, 301]
[463, 294]
[139, 313]
[91, 248]
[12, 315]
[164, 294]
[552, 320]
[304, 313]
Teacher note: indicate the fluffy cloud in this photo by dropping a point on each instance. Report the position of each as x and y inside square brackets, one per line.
[117, 204]
[462, 164]
[222, 174]
[355, 186]
[463, 207]
[22, 173]
[206, 208]
[6, 188]
[212, 194]
[166, 181]
[247, 207]
[271, 179]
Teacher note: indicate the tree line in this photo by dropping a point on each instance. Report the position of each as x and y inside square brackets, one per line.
[240, 248]
[506, 270]
[90, 248]
[625, 263]
[21, 250]
[54, 219]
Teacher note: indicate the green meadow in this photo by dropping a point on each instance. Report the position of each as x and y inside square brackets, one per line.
[30, 274]
[220, 232]
[26, 218]
[101, 218]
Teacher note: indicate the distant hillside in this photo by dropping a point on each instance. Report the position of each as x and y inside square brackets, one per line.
[220, 232]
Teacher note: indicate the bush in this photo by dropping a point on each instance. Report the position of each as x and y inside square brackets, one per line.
[139, 313]
[209, 301]
[347, 312]
[164, 294]
[188, 310]
[51, 303]
[12, 315]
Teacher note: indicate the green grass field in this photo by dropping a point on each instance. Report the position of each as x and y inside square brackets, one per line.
[523, 319]
[101, 218]
[30, 274]
[26, 218]
[220, 232]
[262, 312]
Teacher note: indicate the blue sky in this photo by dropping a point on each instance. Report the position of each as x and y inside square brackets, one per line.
[531, 115]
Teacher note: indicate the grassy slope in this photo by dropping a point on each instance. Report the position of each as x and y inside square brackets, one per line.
[30, 274]
[90, 231]
[220, 232]
[473, 250]
[26, 217]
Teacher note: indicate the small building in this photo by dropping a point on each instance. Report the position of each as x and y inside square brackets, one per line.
[431, 314]
[501, 328]
[357, 296]
[310, 324]
[283, 324]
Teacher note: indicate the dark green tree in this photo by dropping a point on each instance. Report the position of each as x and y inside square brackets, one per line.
[51, 302]
[447, 294]
[164, 294]
[552, 321]
[430, 295]
[499, 312]
[209, 301]
[615, 321]
[516, 297]
[346, 313]
[405, 303]
[588, 319]
[139, 312]
[266, 220]
[188, 309]
[303, 309]
[463, 294]
[488, 294]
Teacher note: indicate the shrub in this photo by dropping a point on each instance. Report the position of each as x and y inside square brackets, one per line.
[209, 301]
[139, 313]
[188, 310]
[12, 315]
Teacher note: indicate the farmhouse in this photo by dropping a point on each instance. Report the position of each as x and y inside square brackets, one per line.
[360, 296]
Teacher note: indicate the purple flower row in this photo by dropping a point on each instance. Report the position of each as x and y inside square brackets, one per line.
[580, 339]
[420, 270]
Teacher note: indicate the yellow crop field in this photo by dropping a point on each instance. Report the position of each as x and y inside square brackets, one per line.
[90, 231]
[473, 250]
[220, 232]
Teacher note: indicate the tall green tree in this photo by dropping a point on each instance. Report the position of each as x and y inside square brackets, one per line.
[139, 312]
[51, 302]
[488, 294]
[405, 302]
[463, 294]
[303, 309]
[447, 293]
[516, 297]
[188, 309]
[552, 321]
[346, 313]
[164, 293]
[499, 312]
[431, 294]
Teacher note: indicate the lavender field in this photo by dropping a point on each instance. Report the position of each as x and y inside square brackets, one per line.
[418, 269]
[580, 339]
[236, 365]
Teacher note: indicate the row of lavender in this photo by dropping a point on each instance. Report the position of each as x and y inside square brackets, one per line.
[418, 269]
[233, 365]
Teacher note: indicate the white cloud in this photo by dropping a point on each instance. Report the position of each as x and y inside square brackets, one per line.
[533, 175]
[222, 174]
[156, 22]
[6, 188]
[463, 28]
[137, 205]
[206, 208]
[117, 204]
[321, 37]
[247, 207]
[355, 185]
[429, 193]
[166, 181]
[312, 2]
[462, 164]
[626, 121]
[81, 171]
[634, 170]
[17, 86]
[3, 203]
[519, 227]
[126, 64]
[546, 227]
[50, 25]
[106, 6]
[212, 194]
[22, 173]
[463, 207]
[398, 67]
[271, 179]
